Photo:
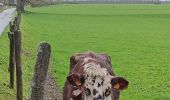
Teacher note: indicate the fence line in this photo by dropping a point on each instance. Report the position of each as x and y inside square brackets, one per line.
[16, 55]
[15, 61]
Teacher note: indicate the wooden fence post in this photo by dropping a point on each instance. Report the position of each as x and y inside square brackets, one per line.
[18, 20]
[12, 54]
[41, 69]
[18, 53]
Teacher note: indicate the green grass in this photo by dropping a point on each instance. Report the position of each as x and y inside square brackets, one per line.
[137, 38]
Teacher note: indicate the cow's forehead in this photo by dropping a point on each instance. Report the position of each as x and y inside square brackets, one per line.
[96, 76]
[93, 68]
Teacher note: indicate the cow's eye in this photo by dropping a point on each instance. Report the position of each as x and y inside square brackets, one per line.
[107, 92]
[87, 91]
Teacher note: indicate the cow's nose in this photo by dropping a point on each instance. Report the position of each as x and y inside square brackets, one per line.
[98, 98]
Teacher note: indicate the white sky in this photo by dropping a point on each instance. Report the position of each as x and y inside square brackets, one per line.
[164, 0]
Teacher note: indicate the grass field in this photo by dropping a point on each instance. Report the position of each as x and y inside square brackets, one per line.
[137, 37]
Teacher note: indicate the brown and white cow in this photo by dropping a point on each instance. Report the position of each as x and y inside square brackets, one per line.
[91, 78]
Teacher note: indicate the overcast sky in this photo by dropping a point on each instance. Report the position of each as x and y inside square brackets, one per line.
[164, 0]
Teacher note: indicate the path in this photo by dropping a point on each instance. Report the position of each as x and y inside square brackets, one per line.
[5, 18]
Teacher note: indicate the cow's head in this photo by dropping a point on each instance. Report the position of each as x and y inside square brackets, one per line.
[95, 83]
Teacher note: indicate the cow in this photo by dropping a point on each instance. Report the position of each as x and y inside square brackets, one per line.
[91, 78]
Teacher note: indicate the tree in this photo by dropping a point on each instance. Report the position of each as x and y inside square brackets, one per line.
[11, 2]
[20, 5]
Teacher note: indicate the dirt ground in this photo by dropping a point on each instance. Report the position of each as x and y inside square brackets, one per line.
[51, 91]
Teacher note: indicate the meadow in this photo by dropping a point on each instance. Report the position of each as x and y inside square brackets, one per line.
[137, 38]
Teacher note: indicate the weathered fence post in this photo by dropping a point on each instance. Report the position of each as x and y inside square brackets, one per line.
[18, 53]
[12, 54]
[41, 69]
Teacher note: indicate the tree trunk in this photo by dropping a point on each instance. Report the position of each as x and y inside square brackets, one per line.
[20, 5]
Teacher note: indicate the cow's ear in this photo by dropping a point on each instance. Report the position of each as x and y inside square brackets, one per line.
[119, 83]
[74, 60]
[76, 80]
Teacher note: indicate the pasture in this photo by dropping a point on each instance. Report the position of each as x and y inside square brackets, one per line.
[137, 38]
